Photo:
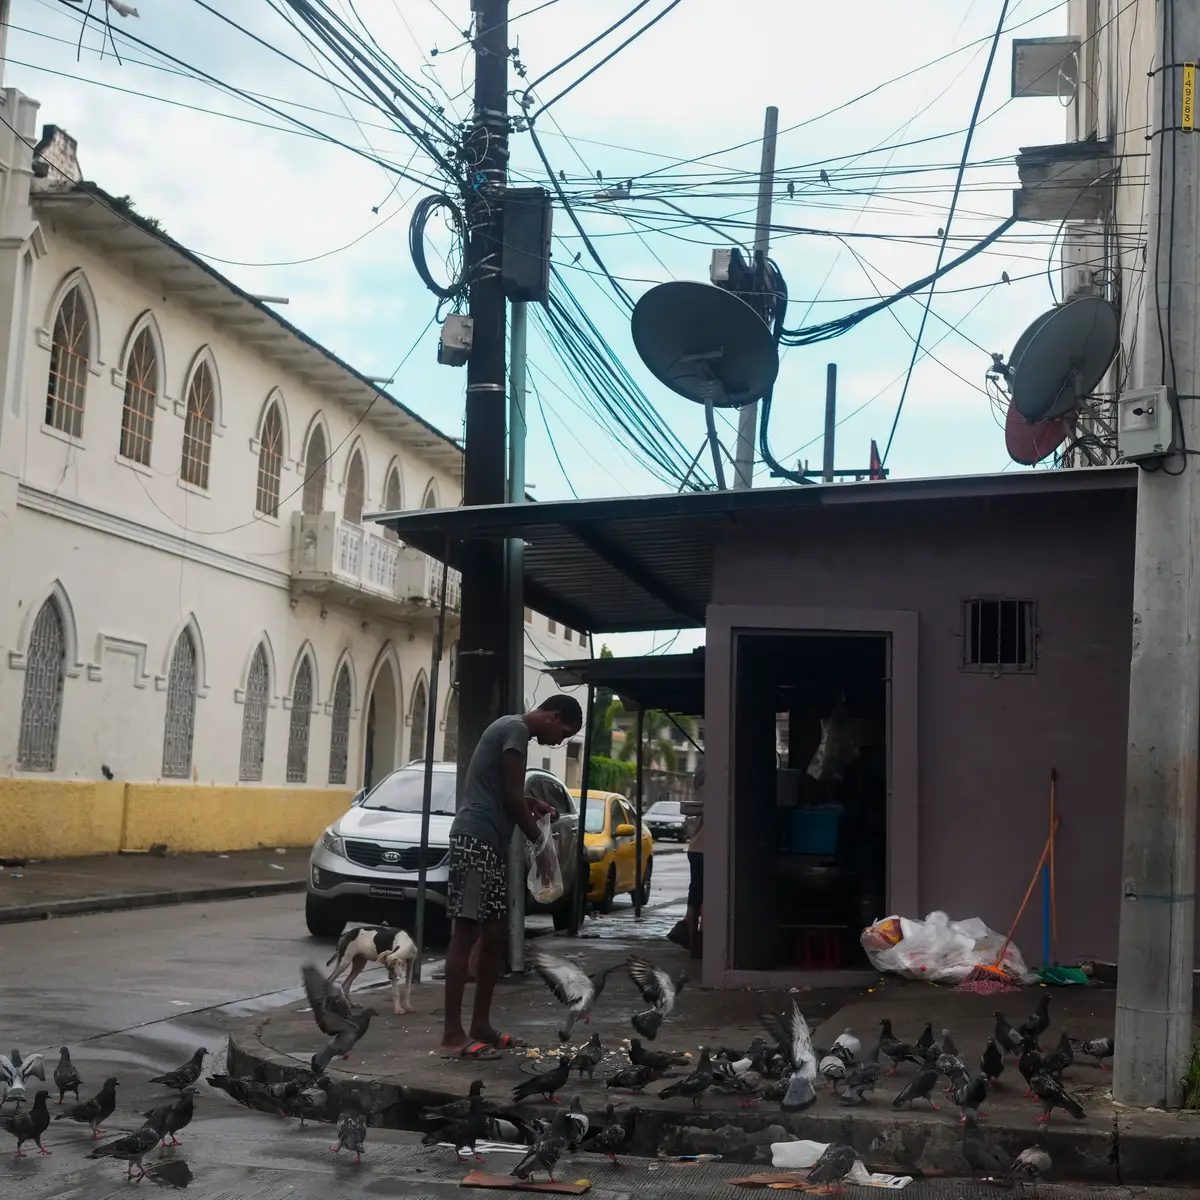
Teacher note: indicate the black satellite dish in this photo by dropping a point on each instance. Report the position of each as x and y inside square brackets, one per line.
[704, 343]
[1065, 355]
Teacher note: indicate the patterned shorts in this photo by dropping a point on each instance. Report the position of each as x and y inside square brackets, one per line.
[478, 880]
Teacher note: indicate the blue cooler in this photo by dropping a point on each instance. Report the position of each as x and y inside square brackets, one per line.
[814, 830]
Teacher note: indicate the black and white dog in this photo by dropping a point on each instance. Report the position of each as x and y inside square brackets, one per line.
[393, 949]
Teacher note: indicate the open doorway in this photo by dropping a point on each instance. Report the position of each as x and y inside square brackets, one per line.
[809, 830]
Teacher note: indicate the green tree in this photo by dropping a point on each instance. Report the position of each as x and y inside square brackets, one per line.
[657, 744]
[602, 717]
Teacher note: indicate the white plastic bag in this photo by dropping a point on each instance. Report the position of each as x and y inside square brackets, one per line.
[939, 950]
[837, 749]
[545, 875]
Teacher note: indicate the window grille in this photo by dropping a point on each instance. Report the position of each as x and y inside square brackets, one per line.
[141, 393]
[254, 718]
[270, 463]
[339, 738]
[297, 758]
[999, 636]
[198, 429]
[180, 725]
[41, 699]
[70, 347]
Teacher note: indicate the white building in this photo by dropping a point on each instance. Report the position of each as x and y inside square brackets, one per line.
[203, 643]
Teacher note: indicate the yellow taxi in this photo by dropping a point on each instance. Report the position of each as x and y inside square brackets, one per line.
[610, 847]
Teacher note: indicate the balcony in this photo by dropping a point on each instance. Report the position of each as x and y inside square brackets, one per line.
[357, 566]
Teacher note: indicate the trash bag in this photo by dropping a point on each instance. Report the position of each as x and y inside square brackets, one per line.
[939, 950]
[544, 879]
[837, 748]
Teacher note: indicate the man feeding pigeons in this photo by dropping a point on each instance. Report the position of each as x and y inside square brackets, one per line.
[493, 804]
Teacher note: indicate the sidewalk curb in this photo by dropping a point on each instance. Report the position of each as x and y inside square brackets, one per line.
[123, 902]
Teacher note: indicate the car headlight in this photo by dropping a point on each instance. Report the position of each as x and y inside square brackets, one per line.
[595, 853]
[334, 844]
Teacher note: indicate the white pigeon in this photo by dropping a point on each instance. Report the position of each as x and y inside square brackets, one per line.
[578, 1121]
[832, 1068]
[791, 1032]
[847, 1044]
[570, 986]
[15, 1072]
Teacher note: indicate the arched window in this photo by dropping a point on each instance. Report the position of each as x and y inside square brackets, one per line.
[180, 725]
[198, 429]
[41, 700]
[339, 738]
[70, 349]
[430, 500]
[254, 718]
[420, 715]
[356, 488]
[141, 394]
[270, 463]
[450, 741]
[315, 472]
[297, 756]
[393, 501]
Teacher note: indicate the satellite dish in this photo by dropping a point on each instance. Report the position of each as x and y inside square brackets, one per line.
[1028, 442]
[1023, 341]
[1064, 358]
[704, 343]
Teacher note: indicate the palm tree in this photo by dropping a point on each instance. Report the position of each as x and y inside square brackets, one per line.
[657, 744]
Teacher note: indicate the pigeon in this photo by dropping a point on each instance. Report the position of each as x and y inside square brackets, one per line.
[982, 1155]
[312, 1104]
[133, 1147]
[1007, 1038]
[1099, 1049]
[862, 1079]
[847, 1046]
[179, 1115]
[657, 988]
[832, 1068]
[1033, 1162]
[570, 986]
[464, 1134]
[947, 1044]
[918, 1088]
[635, 1079]
[96, 1110]
[992, 1061]
[588, 1058]
[577, 1124]
[694, 1085]
[66, 1078]
[795, 1042]
[835, 1163]
[546, 1083]
[15, 1072]
[183, 1077]
[545, 1151]
[727, 1080]
[799, 1095]
[351, 1131]
[1053, 1095]
[29, 1126]
[610, 1138]
[791, 188]
[971, 1096]
[1029, 1064]
[926, 1038]
[1060, 1058]
[343, 1022]
[245, 1089]
[659, 1060]
[951, 1066]
[825, 178]
[1004, 277]
[1039, 1022]
[894, 1049]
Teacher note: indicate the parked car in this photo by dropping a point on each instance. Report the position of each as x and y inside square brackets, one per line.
[610, 848]
[368, 860]
[665, 819]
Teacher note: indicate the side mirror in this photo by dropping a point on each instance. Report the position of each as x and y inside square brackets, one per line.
[358, 798]
[625, 831]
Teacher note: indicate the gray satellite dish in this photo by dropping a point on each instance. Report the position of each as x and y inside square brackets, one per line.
[705, 344]
[1065, 357]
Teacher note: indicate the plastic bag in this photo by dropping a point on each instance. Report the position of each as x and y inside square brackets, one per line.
[545, 880]
[939, 950]
[837, 748]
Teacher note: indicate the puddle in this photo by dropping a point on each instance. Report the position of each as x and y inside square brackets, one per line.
[171, 1172]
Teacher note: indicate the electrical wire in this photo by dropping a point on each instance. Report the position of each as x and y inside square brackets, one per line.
[424, 209]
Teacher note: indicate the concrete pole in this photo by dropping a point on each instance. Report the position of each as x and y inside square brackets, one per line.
[748, 415]
[637, 816]
[827, 463]
[1154, 986]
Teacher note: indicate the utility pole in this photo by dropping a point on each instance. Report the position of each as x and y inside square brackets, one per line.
[747, 437]
[485, 638]
[830, 422]
[1154, 982]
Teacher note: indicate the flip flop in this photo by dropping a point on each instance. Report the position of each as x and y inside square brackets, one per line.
[479, 1051]
[509, 1042]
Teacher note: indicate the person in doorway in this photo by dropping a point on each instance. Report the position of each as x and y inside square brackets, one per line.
[694, 808]
[493, 804]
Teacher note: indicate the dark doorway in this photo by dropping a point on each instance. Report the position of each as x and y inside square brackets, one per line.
[809, 831]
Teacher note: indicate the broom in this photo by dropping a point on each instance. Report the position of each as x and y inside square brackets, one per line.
[985, 980]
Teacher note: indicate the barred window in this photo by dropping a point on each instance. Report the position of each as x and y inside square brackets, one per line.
[180, 724]
[393, 501]
[420, 715]
[270, 463]
[356, 487]
[198, 429]
[450, 741]
[297, 757]
[141, 394]
[999, 636]
[70, 349]
[315, 472]
[254, 718]
[339, 738]
[41, 699]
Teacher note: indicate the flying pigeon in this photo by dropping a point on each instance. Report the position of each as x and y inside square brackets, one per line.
[982, 1155]
[1033, 1162]
[185, 1076]
[66, 1078]
[1007, 1038]
[1053, 1095]
[570, 986]
[545, 1151]
[343, 1022]
[546, 1083]
[659, 1060]
[134, 1147]
[29, 1126]
[351, 1131]
[918, 1088]
[179, 1115]
[658, 989]
[1039, 1022]
[588, 1058]
[15, 1072]
[1099, 1049]
[794, 1040]
[992, 1061]
[96, 1110]
[694, 1085]
[894, 1049]
[635, 1079]
[835, 1163]
[610, 1139]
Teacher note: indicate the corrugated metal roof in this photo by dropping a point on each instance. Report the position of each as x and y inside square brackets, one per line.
[673, 683]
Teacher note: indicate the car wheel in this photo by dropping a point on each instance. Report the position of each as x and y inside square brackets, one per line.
[605, 903]
[323, 919]
[644, 894]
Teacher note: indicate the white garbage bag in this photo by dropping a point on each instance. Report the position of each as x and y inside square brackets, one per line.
[545, 875]
[938, 949]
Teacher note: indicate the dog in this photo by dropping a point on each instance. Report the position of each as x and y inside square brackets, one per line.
[392, 948]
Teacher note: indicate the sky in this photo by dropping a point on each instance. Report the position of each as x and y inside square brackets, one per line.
[877, 94]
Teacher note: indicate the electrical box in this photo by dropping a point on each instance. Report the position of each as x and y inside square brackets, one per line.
[525, 255]
[1083, 260]
[721, 265]
[458, 335]
[1145, 423]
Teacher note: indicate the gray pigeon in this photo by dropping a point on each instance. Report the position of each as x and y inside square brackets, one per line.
[610, 1139]
[179, 1116]
[970, 1096]
[185, 1076]
[352, 1131]
[918, 1088]
[97, 1110]
[66, 1078]
[982, 1155]
[29, 1126]
[571, 987]
[343, 1022]
[1033, 1162]
[134, 1147]
[546, 1150]
[800, 1094]
[835, 1163]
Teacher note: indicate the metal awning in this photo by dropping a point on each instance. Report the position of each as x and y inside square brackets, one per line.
[673, 683]
[646, 562]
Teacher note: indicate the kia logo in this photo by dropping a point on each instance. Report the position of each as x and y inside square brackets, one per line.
[390, 856]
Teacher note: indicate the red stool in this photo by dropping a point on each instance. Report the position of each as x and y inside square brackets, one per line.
[819, 948]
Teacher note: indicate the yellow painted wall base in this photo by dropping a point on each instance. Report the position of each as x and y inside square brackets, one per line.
[58, 818]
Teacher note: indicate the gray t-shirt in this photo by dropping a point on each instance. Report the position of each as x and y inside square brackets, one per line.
[482, 813]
